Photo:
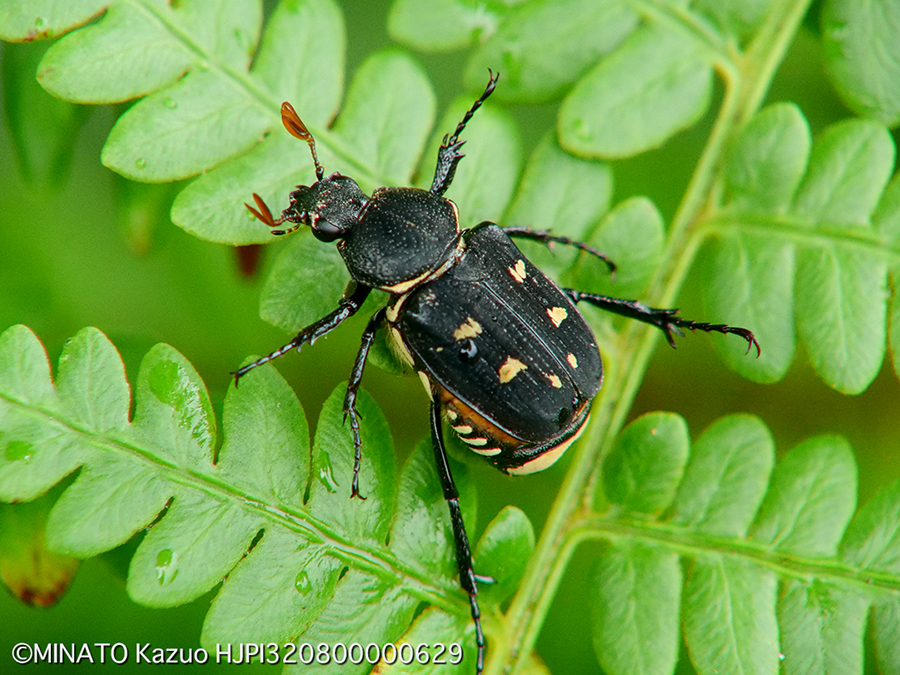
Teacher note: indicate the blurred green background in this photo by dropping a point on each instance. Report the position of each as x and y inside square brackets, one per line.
[80, 246]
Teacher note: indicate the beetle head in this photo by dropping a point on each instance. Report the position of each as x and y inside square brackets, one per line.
[330, 206]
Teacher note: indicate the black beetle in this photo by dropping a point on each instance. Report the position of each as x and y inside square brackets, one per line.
[502, 351]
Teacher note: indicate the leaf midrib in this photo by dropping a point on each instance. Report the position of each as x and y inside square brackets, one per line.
[262, 98]
[695, 544]
[823, 235]
[424, 585]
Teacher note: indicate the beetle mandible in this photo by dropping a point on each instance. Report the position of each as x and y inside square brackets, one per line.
[503, 352]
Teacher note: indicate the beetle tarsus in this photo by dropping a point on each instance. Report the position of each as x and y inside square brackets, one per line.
[664, 319]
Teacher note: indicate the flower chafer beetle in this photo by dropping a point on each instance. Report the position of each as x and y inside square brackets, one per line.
[503, 352]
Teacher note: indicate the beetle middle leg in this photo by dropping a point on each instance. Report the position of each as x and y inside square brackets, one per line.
[348, 307]
[368, 337]
[545, 237]
[664, 319]
[467, 577]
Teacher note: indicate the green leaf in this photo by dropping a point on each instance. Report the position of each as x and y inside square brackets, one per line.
[430, 628]
[647, 463]
[276, 592]
[729, 618]
[634, 220]
[26, 21]
[749, 281]
[37, 455]
[91, 382]
[173, 410]
[848, 170]
[364, 610]
[360, 520]
[726, 478]
[841, 314]
[842, 294]
[297, 554]
[212, 115]
[741, 17]
[387, 116]
[109, 502]
[190, 550]
[263, 413]
[311, 37]
[656, 83]
[873, 537]
[306, 283]
[441, 25]
[420, 505]
[542, 48]
[635, 610]
[823, 628]
[136, 49]
[811, 499]
[768, 160]
[506, 545]
[886, 627]
[816, 257]
[862, 56]
[561, 192]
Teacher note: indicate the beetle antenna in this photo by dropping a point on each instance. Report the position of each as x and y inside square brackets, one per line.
[296, 128]
[263, 213]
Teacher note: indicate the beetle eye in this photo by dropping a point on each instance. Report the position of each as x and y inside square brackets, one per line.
[325, 230]
[468, 351]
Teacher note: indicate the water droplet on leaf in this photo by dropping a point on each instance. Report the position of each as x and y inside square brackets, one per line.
[18, 451]
[166, 566]
[326, 473]
[302, 583]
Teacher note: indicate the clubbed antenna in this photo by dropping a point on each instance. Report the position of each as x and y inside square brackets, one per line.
[296, 128]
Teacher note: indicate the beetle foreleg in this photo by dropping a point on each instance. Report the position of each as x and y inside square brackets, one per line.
[449, 154]
[368, 337]
[664, 319]
[347, 308]
[467, 577]
[545, 237]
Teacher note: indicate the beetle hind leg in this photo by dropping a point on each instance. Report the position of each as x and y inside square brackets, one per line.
[664, 319]
[467, 577]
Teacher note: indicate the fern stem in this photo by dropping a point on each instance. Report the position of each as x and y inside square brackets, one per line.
[746, 80]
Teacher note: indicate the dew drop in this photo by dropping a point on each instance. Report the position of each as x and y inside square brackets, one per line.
[140, 162]
[170, 103]
[302, 583]
[326, 473]
[166, 566]
[18, 451]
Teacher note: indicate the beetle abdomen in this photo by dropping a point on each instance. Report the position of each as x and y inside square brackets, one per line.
[504, 340]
